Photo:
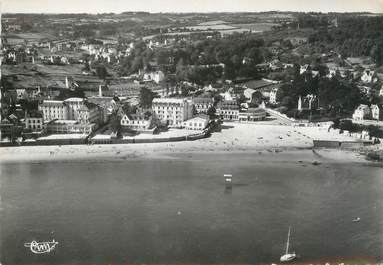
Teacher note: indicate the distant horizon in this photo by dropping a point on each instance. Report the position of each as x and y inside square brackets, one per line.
[186, 6]
[191, 12]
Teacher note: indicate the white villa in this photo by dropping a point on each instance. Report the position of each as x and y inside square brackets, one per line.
[137, 122]
[376, 112]
[361, 112]
[156, 76]
[197, 123]
[367, 76]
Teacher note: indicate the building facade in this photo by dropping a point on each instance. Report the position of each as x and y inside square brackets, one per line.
[34, 123]
[73, 105]
[202, 104]
[228, 110]
[69, 126]
[252, 114]
[273, 96]
[172, 111]
[89, 113]
[54, 109]
[377, 112]
[197, 123]
[137, 122]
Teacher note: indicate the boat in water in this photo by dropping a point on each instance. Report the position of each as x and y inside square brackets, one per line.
[356, 219]
[288, 256]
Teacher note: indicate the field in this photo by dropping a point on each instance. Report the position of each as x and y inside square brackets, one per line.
[211, 27]
[257, 27]
[19, 38]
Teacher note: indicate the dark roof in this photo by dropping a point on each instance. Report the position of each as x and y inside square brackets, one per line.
[203, 100]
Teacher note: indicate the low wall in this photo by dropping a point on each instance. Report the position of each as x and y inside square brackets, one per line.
[326, 144]
[191, 137]
[58, 142]
[338, 144]
[351, 145]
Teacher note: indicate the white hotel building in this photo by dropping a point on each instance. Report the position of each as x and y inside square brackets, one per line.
[172, 111]
[54, 109]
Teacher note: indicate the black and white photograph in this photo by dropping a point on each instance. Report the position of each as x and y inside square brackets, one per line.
[179, 132]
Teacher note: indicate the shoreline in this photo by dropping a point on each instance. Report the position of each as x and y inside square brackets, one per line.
[114, 153]
[234, 138]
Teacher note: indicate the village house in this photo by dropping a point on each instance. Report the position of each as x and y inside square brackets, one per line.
[9, 131]
[381, 92]
[202, 104]
[34, 122]
[137, 122]
[252, 114]
[228, 110]
[172, 111]
[368, 76]
[361, 112]
[197, 123]
[273, 96]
[296, 41]
[157, 76]
[377, 112]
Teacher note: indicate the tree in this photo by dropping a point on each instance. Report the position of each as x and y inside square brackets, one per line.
[67, 93]
[256, 98]
[128, 108]
[101, 71]
[211, 112]
[146, 97]
[115, 123]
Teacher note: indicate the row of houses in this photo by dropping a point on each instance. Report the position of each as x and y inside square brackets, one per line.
[189, 113]
[365, 112]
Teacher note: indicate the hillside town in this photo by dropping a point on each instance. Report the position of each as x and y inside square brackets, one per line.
[152, 83]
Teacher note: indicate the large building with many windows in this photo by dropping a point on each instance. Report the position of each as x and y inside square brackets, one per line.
[54, 110]
[74, 104]
[72, 115]
[202, 104]
[172, 111]
[228, 110]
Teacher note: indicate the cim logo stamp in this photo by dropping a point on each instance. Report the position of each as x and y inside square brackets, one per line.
[41, 247]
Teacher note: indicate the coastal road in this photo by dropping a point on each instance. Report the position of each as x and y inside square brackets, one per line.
[283, 120]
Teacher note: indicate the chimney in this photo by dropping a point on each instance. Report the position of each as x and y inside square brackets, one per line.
[100, 91]
[300, 103]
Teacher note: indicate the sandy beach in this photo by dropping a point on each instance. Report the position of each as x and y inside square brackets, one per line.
[234, 137]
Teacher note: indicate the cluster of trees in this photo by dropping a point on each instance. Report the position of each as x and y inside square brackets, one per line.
[240, 53]
[348, 125]
[335, 96]
[355, 36]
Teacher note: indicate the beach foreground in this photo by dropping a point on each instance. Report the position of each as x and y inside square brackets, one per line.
[234, 137]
